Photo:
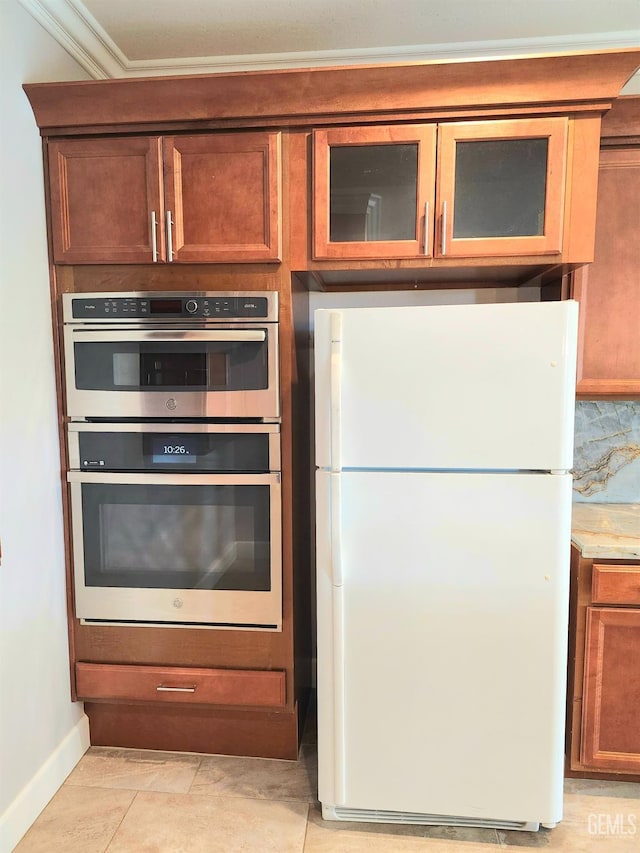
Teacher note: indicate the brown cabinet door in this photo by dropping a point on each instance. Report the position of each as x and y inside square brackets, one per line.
[610, 737]
[222, 195]
[105, 194]
[609, 289]
[501, 187]
[373, 192]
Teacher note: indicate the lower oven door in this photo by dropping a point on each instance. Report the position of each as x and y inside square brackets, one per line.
[181, 549]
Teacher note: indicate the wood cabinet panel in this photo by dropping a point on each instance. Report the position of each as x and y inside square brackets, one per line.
[501, 186]
[611, 700]
[103, 195]
[413, 202]
[223, 192]
[246, 688]
[609, 289]
[498, 191]
[603, 672]
[195, 728]
[188, 199]
[615, 584]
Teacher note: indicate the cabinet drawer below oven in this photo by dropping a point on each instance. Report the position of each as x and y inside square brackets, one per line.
[243, 687]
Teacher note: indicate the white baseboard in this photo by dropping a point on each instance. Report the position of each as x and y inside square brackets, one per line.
[35, 795]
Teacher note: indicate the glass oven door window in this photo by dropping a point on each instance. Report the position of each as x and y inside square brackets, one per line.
[187, 537]
[171, 365]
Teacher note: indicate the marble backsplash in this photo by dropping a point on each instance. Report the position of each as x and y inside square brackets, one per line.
[606, 460]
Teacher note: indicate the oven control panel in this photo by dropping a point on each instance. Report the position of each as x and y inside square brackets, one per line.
[171, 307]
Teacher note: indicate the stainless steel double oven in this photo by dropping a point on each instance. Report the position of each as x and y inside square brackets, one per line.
[173, 432]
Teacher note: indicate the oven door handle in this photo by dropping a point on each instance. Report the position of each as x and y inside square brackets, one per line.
[105, 335]
[160, 479]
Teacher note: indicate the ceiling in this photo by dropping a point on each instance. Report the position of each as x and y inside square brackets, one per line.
[128, 38]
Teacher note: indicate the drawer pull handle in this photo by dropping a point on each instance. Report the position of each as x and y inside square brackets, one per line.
[161, 688]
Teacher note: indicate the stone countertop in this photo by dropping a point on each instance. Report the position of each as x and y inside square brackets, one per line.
[610, 531]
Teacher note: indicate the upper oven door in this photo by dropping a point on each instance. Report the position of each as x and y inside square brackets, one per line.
[138, 372]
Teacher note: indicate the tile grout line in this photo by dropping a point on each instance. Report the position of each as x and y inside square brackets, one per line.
[306, 829]
[188, 791]
[115, 831]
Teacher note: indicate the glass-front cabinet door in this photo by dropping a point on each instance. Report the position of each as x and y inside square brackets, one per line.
[374, 191]
[501, 187]
[497, 189]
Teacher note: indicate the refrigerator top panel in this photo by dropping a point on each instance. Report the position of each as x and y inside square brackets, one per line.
[489, 387]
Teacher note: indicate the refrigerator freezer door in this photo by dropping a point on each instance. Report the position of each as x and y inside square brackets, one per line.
[487, 387]
[442, 656]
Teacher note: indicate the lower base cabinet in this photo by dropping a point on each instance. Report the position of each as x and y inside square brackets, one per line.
[242, 687]
[610, 736]
[603, 721]
[189, 709]
[195, 728]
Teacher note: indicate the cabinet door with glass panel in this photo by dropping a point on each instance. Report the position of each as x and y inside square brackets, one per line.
[374, 191]
[501, 187]
[498, 190]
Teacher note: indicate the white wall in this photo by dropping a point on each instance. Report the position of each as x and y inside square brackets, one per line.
[42, 733]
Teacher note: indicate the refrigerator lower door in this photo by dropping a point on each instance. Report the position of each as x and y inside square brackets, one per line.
[442, 630]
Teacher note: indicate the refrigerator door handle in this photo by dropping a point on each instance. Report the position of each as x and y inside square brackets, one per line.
[338, 662]
[336, 530]
[335, 391]
[339, 744]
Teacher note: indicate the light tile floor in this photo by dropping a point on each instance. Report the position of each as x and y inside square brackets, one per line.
[138, 801]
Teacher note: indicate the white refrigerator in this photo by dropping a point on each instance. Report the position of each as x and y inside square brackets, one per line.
[444, 439]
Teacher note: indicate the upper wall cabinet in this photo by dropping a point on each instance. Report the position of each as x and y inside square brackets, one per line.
[498, 190]
[501, 187]
[374, 190]
[609, 289]
[191, 199]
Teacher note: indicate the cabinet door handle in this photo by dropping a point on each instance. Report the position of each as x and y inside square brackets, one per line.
[154, 236]
[169, 237]
[444, 227]
[426, 227]
[162, 688]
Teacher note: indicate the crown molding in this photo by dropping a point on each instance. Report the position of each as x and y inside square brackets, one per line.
[71, 25]
[80, 34]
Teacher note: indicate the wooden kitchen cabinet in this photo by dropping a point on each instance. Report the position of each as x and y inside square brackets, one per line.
[187, 199]
[603, 724]
[195, 686]
[501, 187]
[374, 190]
[610, 736]
[103, 194]
[608, 290]
[498, 190]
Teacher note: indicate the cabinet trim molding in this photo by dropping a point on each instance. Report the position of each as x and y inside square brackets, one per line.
[588, 81]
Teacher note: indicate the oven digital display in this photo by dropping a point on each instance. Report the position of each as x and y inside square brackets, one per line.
[166, 306]
[174, 449]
